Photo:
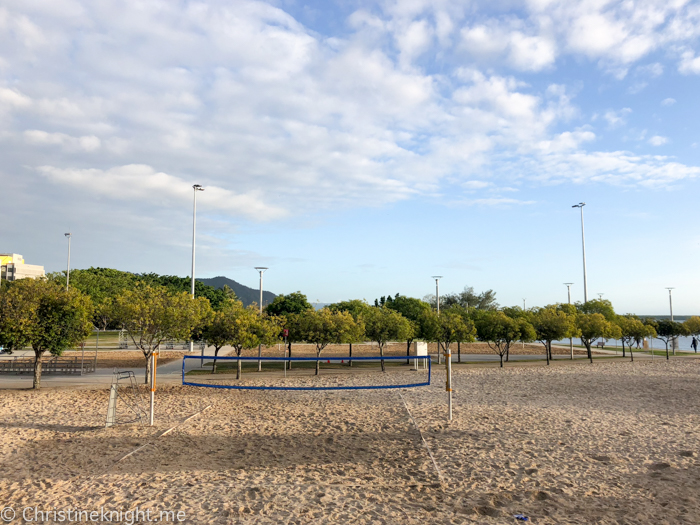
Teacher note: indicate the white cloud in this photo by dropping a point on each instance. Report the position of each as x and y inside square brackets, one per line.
[85, 143]
[284, 120]
[658, 140]
[651, 70]
[668, 102]
[143, 183]
[475, 184]
[522, 51]
[690, 64]
[617, 118]
[14, 98]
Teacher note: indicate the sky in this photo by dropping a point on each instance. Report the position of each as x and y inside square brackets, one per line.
[359, 148]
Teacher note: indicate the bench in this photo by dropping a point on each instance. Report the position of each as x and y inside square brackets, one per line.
[600, 344]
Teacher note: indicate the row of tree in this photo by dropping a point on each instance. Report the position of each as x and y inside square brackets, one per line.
[45, 316]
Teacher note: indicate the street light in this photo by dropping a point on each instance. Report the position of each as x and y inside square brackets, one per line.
[437, 291]
[437, 302]
[571, 340]
[68, 235]
[196, 188]
[670, 303]
[583, 244]
[261, 269]
[524, 304]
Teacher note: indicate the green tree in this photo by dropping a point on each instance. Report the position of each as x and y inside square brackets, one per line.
[45, 316]
[102, 285]
[293, 303]
[552, 324]
[667, 331]
[468, 299]
[324, 327]
[358, 309]
[498, 330]
[598, 306]
[246, 328]
[692, 327]
[383, 325]
[221, 328]
[412, 309]
[152, 314]
[632, 330]
[594, 326]
[451, 327]
[290, 309]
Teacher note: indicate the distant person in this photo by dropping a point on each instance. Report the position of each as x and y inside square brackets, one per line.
[694, 344]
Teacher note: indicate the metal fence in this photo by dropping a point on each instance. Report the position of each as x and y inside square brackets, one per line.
[52, 365]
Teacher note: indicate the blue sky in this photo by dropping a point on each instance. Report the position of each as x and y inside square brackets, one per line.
[357, 148]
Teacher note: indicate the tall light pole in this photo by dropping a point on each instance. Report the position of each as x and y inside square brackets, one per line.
[571, 339]
[196, 188]
[670, 304]
[448, 356]
[524, 298]
[68, 235]
[583, 244]
[261, 269]
[437, 303]
[437, 291]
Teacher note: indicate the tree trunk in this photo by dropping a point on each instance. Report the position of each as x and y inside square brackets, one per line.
[350, 360]
[289, 348]
[381, 353]
[408, 352]
[501, 356]
[238, 369]
[37, 369]
[148, 367]
[622, 341]
[666, 350]
[318, 361]
[213, 366]
[631, 354]
[459, 352]
[588, 350]
[508, 354]
[546, 351]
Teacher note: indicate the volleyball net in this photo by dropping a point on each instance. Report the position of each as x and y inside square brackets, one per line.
[299, 373]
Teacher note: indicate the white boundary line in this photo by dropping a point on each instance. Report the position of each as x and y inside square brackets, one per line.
[162, 434]
[439, 474]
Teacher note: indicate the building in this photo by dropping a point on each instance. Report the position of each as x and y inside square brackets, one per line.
[12, 267]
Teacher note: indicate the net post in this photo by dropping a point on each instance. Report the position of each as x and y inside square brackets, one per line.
[448, 382]
[154, 360]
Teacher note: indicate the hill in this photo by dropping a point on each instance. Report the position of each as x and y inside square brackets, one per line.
[245, 294]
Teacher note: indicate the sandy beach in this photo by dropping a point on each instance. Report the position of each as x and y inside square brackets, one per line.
[612, 442]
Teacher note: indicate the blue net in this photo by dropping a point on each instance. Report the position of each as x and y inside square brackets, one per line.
[375, 359]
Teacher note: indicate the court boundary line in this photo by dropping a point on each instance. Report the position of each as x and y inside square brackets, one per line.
[425, 443]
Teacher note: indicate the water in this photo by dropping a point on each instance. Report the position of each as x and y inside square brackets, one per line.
[657, 344]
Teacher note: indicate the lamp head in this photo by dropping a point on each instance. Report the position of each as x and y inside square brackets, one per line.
[67, 234]
[261, 268]
[198, 187]
[579, 205]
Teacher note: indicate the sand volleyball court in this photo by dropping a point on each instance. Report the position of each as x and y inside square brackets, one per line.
[613, 442]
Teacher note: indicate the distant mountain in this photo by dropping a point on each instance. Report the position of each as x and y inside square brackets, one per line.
[245, 295]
